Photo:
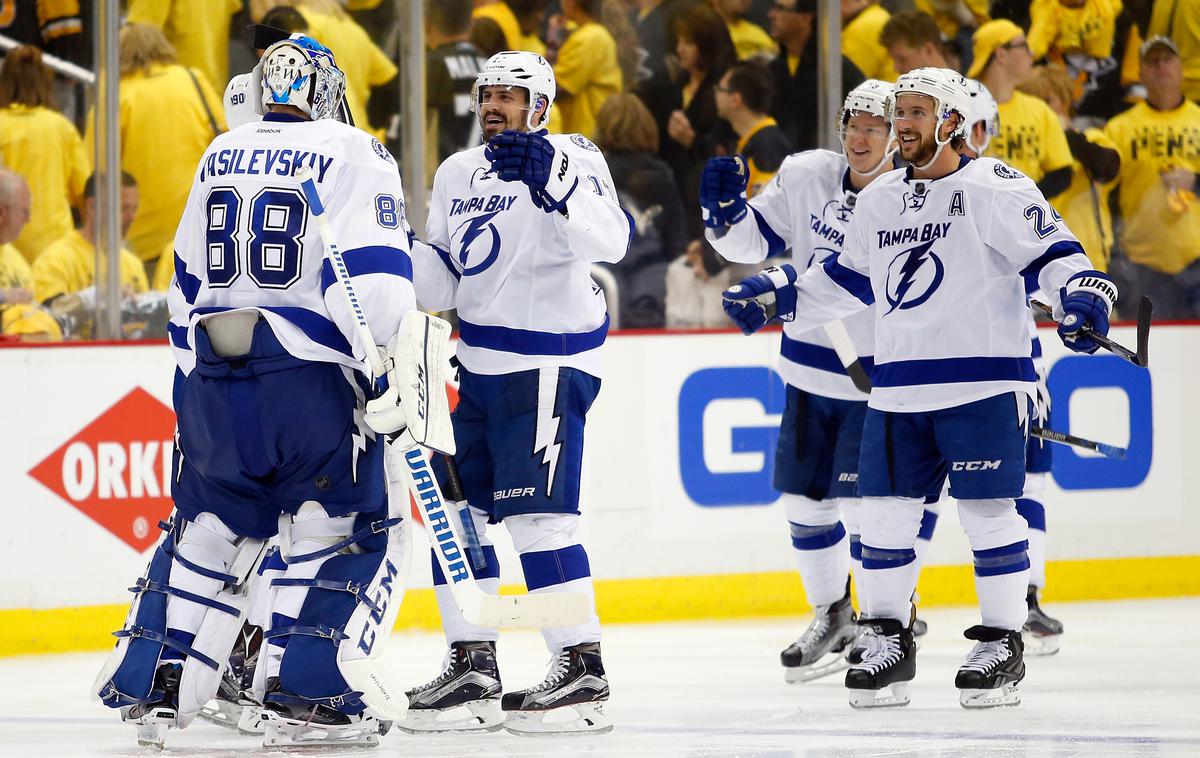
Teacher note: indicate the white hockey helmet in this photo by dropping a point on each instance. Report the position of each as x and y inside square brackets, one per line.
[985, 109]
[242, 99]
[300, 71]
[514, 68]
[948, 90]
[869, 97]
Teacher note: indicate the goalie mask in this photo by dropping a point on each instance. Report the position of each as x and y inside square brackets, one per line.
[301, 72]
[529, 71]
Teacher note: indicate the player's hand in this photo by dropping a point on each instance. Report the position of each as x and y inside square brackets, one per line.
[530, 158]
[1087, 301]
[384, 414]
[723, 191]
[768, 295]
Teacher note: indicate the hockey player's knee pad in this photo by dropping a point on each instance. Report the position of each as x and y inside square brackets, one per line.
[891, 522]
[335, 603]
[550, 554]
[991, 523]
[188, 608]
[803, 510]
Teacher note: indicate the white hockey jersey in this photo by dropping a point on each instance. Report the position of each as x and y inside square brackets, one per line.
[521, 277]
[246, 239]
[945, 263]
[806, 208]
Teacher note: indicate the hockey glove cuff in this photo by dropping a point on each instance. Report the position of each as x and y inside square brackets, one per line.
[1087, 301]
[757, 300]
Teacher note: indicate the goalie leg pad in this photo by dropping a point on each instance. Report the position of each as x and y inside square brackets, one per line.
[348, 575]
[192, 594]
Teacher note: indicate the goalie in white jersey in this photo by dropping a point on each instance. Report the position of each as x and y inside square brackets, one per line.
[271, 433]
[942, 249]
[515, 226]
[806, 210]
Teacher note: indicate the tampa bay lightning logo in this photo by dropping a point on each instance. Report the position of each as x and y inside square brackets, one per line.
[469, 252]
[913, 276]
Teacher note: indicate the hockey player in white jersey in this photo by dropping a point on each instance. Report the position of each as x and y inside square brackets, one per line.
[806, 210]
[1042, 632]
[515, 226]
[943, 249]
[271, 430]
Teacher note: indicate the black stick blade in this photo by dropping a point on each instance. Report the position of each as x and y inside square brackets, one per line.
[1144, 316]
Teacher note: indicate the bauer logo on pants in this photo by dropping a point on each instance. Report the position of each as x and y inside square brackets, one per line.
[117, 469]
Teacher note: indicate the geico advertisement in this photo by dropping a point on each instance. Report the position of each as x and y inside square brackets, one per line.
[677, 470]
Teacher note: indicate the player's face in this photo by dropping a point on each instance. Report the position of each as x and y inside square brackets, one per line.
[915, 122]
[502, 108]
[866, 138]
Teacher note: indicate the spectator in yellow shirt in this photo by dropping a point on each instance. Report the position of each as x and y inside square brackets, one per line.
[956, 18]
[744, 98]
[40, 144]
[913, 40]
[1031, 138]
[197, 29]
[169, 114]
[19, 316]
[1179, 20]
[749, 39]
[1059, 27]
[520, 20]
[69, 265]
[1159, 142]
[1084, 204]
[862, 24]
[586, 70]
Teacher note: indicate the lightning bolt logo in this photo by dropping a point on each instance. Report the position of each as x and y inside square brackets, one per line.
[474, 227]
[545, 434]
[912, 261]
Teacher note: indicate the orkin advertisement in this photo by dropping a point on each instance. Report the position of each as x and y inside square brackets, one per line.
[677, 470]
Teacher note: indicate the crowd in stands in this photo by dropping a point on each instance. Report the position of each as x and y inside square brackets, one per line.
[1096, 104]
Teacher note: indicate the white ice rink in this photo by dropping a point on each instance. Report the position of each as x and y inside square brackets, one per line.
[1126, 683]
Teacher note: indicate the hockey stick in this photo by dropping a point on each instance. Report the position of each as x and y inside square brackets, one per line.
[1109, 451]
[1140, 357]
[840, 339]
[478, 608]
[474, 549]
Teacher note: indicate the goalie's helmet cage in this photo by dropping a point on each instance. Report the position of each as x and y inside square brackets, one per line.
[529, 71]
[301, 72]
[985, 109]
[869, 97]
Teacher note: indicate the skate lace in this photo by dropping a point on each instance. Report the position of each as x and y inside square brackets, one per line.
[986, 656]
[816, 630]
[559, 667]
[882, 650]
[447, 674]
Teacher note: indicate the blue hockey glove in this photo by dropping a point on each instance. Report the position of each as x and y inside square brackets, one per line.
[1087, 301]
[755, 301]
[723, 191]
[530, 158]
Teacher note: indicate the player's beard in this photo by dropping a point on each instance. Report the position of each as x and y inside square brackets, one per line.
[920, 152]
[491, 130]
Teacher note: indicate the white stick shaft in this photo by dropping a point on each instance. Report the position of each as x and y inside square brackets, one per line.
[361, 329]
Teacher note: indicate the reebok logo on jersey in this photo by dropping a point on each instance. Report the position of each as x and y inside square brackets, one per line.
[975, 466]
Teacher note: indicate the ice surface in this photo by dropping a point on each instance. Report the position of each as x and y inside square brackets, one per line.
[1126, 683]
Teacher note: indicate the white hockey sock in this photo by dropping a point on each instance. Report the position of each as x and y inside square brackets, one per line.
[554, 561]
[820, 546]
[457, 628]
[998, 542]
[1034, 513]
[889, 533]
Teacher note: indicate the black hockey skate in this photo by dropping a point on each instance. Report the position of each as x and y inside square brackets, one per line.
[464, 698]
[288, 721]
[571, 699]
[1041, 634]
[889, 663]
[155, 717]
[820, 651]
[229, 708]
[994, 667]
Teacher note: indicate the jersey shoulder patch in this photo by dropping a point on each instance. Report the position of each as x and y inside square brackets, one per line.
[382, 151]
[1004, 171]
[584, 142]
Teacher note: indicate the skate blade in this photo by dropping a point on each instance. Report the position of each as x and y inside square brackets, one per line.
[152, 727]
[1041, 644]
[475, 716]
[802, 674]
[894, 695]
[285, 733]
[583, 718]
[251, 722]
[222, 713]
[1006, 695]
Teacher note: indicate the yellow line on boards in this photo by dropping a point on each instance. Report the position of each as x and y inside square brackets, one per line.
[26, 631]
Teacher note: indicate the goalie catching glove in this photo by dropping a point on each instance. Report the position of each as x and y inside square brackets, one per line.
[757, 300]
[415, 393]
